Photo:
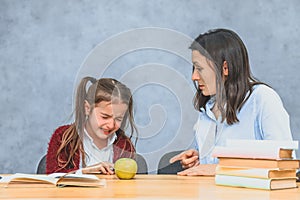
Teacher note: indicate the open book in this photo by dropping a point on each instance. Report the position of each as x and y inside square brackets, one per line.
[57, 179]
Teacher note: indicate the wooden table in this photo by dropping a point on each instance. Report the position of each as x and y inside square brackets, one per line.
[150, 187]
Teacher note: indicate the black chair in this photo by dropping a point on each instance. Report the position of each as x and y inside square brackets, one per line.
[142, 165]
[165, 167]
[41, 169]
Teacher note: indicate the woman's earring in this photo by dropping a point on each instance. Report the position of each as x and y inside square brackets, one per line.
[86, 117]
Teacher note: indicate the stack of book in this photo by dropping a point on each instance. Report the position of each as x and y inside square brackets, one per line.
[260, 164]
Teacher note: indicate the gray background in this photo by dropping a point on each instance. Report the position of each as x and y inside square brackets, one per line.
[44, 46]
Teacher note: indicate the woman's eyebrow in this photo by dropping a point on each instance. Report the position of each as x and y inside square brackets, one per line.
[196, 63]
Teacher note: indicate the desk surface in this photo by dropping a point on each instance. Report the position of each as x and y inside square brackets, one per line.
[150, 187]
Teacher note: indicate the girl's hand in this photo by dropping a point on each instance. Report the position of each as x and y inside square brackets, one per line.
[200, 170]
[188, 159]
[102, 167]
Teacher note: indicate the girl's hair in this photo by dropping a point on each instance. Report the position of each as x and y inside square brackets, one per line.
[221, 45]
[104, 89]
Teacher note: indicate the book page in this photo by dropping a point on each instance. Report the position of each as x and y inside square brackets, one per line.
[55, 179]
[27, 180]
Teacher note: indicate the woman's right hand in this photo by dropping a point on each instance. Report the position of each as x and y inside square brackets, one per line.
[102, 167]
[188, 158]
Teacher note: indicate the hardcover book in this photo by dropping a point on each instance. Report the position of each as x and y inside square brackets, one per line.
[256, 172]
[257, 183]
[264, 149]
[260, 163]
[263, 153]
[285, 144]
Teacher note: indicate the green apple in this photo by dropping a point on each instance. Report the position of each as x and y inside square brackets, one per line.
[125, 168]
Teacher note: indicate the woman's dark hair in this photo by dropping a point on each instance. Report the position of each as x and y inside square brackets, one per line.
[221, 45]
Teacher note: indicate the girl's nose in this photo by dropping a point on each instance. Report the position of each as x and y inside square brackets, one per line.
[111, 123]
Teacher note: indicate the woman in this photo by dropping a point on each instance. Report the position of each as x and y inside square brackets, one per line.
[96, 139]
[231, 102]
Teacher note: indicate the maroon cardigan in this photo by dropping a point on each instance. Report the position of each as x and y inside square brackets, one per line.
[122, 148]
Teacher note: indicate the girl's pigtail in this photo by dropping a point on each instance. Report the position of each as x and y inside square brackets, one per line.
[81, 96]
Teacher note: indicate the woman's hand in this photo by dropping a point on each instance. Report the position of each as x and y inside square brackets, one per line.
[188, 159]
[200, 170]
[102, 167]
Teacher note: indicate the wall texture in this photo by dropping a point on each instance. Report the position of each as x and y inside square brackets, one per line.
[46, 46]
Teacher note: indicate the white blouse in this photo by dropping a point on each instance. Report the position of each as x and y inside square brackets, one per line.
[95, 155]
[262, 117]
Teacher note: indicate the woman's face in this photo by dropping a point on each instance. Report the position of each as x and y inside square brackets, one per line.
[203, 74]
[104, 119]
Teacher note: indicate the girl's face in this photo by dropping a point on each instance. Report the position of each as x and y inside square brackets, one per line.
[104, 119]
[203, 74]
